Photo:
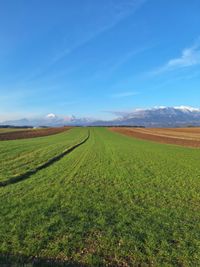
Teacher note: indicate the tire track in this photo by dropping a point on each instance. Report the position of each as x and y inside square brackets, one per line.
[45, 165]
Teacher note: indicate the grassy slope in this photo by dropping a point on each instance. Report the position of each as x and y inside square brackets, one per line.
[20, 156]
[113, 200]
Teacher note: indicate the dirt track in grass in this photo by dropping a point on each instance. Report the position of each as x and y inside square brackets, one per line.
[14, 135]
[189, 137]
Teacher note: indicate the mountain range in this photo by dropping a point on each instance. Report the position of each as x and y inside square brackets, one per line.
[151, 117]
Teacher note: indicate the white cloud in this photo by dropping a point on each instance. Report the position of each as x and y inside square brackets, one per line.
[189, 57]
[124, 94]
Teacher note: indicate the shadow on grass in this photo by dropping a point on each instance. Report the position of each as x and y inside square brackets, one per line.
[24, 261]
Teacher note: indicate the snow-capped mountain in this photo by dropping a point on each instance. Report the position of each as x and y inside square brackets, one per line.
[151, 117]
[51, 116]
[162, 116]
[157, 117]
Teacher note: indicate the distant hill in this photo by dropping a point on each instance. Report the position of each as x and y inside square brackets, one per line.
[157, 117]
[152, 117]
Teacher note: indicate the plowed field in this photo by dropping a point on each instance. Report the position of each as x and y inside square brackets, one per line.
[179, 136]
[22, 134]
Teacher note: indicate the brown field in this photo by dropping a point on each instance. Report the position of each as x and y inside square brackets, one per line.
[31, 133]
[179, 136]
[6, 130]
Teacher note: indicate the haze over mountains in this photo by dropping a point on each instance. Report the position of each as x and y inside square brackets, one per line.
[152, 117]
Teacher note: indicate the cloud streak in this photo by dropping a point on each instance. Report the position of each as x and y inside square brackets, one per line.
[121, 10]
[124, 94]
[189, 57]
[116, 11]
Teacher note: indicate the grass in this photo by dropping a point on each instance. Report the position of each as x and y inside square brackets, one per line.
[114, 201]
[20, 156]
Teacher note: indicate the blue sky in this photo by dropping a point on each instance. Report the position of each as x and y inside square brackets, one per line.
[89, 58]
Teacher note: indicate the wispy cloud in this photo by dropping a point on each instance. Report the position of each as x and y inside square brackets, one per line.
[124, 94]
[189, 57]
[116, 11]
[120, 10]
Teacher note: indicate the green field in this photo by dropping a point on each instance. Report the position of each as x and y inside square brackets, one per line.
[113, 201]
[20, 156]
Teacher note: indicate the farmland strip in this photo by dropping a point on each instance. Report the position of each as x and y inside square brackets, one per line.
[24, 134]
[26, 175]
[157, 137]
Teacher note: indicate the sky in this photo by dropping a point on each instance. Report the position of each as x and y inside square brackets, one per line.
[93, 58]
